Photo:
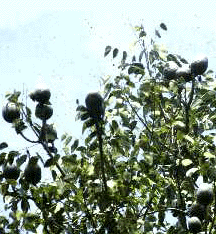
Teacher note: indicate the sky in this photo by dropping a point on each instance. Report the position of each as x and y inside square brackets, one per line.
[61, 44]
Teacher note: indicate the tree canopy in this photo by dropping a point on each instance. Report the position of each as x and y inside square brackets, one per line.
[147, 161]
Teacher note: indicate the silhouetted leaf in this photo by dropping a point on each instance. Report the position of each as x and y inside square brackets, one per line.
[134, 59]
[75, 145]
[3, 145]
[54, 175]
[25, 205]
[84, 116]
[21, 160]
[107, 50]
[68, 140]
[142, 34]
[163, 26]
[50, 162]
[124, 55]
[81, 108]
[141, 55]
[157, 33]
[2, 158]
[115, 52]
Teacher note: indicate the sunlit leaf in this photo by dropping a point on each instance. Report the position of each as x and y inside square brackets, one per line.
[209, 155]
[186, 162]
[191, 171]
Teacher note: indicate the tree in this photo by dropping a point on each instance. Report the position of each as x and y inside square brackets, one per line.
[140, 161]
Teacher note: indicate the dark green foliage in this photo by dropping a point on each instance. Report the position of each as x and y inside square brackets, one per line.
[136, 168]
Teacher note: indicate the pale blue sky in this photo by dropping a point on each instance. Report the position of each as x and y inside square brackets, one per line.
[61, 43]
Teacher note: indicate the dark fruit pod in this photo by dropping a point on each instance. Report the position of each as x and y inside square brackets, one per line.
[194, 225]
[43, 111]
[10, 112]
[32, 172]
[41, 95]
[199, 65]
[205, 194]
[170, 71]
[95, 105]
[11, 172]
[197, 210]
[185, 72]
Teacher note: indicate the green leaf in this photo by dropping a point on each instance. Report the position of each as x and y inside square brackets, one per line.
[25, 205]
[107, 50]
[133, 125]
[2, 158]
[209, 155]
[93, 146]
[68, 140]
[21, 160]
[50, 162]
[81, 108]
[63, 136]
[11, 155]
[54, 175]
[75, 145]
[188, 138]
[84, 116]
[87, 124]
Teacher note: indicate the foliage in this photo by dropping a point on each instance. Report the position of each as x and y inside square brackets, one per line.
[157, 142]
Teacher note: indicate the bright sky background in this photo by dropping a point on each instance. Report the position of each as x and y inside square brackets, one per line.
[61, 43]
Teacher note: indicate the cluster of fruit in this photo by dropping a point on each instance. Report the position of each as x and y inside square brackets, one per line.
[11, 112]
[199, 210]
[43, 109]
[32, 172]
[188, 71]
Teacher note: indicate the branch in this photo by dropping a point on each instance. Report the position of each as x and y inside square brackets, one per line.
[28, 139]
[100, 140]
[187, 106]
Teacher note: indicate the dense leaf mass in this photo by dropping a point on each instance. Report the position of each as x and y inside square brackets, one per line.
[148, 142]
